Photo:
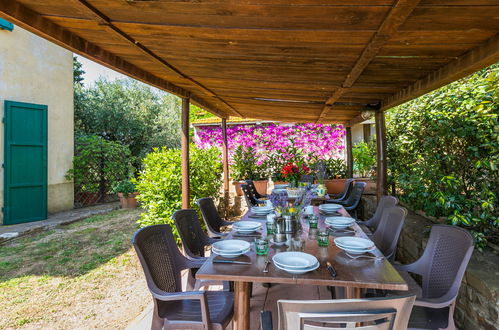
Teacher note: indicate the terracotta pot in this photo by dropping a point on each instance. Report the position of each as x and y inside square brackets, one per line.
[237, 185]
[129, 202]
[280, 182]
[261, 186]
[334, 186]
[370, 188]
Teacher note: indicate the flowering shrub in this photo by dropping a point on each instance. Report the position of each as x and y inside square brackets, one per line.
[316, 141]
[292, 172]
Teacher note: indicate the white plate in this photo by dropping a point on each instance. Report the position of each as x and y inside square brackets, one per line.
[246, 225]
[280, 186]
[294, 260]
[329, 207]
[355, 243]
[261, 210]
[279, 190]
[231, 245]
[298, 271]
[230, 255]
[339, 222]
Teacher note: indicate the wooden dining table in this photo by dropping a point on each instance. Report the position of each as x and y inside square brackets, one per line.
[352, 274]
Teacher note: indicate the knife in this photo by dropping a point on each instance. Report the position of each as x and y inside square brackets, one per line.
[219, 261]
[331, 269]
[247, 235]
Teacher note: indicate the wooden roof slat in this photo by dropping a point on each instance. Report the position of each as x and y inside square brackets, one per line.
[486, 54]
[397, 15]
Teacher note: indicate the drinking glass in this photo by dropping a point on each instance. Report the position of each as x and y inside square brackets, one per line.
[270, 227]
[313, 220]
[323, 238]
[261, 246]
[298, 244]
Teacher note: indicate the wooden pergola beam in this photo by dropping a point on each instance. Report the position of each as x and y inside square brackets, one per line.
[397, 15]
[35, 23]
[481, 56]
[186, 192]
[88, 10]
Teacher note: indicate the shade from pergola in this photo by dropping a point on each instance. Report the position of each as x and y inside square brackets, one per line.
[287, 60]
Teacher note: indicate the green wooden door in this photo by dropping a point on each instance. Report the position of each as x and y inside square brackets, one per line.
[25, 162]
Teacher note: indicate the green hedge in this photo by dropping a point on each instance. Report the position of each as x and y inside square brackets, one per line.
[443, 151]
[159, 182]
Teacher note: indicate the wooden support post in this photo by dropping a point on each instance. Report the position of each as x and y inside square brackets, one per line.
[381, 166]
[349, 152]
[225, 156]
[367, 132]
[185, 154]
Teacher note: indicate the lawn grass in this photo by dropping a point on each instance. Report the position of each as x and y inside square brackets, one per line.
[83, 275]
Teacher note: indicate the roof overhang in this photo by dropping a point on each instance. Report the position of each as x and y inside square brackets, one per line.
[284, 60]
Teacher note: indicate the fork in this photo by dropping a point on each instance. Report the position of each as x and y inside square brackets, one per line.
[266, 268]
[364, 256]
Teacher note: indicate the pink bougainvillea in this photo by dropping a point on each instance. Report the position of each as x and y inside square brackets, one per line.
[318, 141]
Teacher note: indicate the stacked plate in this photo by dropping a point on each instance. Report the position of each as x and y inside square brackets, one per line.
[261, 210]
[279, 190]
[280, 186]
[246, 227]
[329, 208]
[295, 262]
[339, 222]
[354, 245]
[230, 248]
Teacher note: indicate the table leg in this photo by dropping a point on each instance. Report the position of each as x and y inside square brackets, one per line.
[242, 305]
[353, 293]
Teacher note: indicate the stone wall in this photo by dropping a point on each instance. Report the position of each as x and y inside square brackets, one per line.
[477, 304]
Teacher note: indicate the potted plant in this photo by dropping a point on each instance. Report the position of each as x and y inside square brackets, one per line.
[292, 173]
[127, 194]
[258, 173]
[336, 173]
[364, 164]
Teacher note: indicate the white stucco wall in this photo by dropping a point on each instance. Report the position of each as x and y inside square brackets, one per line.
[33, 70]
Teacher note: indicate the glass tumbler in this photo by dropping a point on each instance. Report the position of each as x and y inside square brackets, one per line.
[261, 246]
[313, 220]
[323, 238]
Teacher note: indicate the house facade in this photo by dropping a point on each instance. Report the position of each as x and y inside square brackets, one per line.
[37, 144]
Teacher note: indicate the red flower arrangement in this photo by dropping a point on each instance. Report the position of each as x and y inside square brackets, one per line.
[293, 173]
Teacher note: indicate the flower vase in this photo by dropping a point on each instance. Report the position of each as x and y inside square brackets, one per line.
[321, 190]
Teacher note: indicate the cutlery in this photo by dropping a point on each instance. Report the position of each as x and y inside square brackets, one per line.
[258, 216]
[219, 261]
[266, 268]
[364, 256]
[247, 235]
[331, 269]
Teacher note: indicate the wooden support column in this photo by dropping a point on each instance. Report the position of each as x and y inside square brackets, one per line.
[381, 165]
[185, 154]
[349, 152]
[225, 157]
[367, 132]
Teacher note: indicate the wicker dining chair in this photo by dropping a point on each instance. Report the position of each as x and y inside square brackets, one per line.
[162, 264]
[370, 225]
[441, 267]
[352, 203]
[250, 199]
[388, 231]
[255, 192]
[211, 218]
[347, 188]
[365, 314]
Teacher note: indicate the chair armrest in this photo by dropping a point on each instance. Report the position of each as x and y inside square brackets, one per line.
[266, 320]
[190, 295]
[415, 268]
[434, 302]
[194, 262]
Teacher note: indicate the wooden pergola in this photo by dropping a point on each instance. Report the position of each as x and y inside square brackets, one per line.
[322, 61]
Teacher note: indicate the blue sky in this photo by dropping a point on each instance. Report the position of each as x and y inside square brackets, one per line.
[94, 70]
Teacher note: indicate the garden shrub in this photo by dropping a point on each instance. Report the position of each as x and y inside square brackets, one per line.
[99, 164]
[364, 158]
[159, 182]
[443, 151]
